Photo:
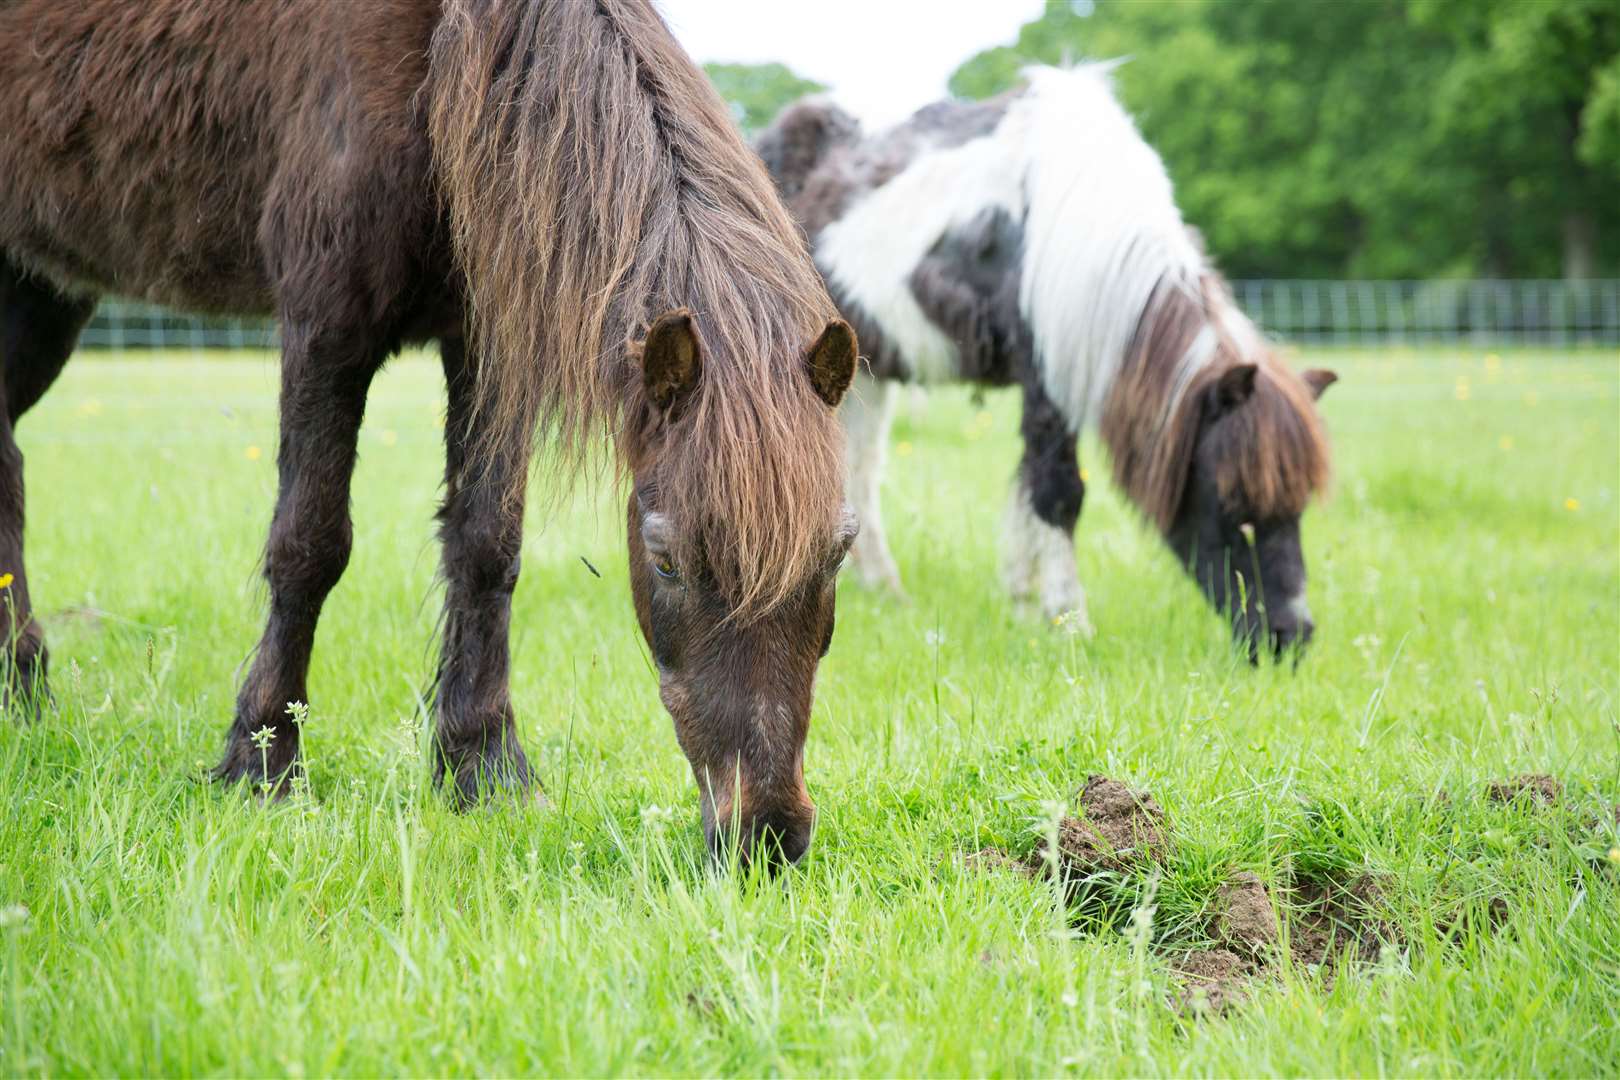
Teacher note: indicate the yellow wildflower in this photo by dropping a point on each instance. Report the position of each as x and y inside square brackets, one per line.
[5, 580]
[253, 453]
[1572, 503]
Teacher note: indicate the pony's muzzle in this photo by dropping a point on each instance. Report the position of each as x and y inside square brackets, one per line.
[1291, 628]
[776, 834]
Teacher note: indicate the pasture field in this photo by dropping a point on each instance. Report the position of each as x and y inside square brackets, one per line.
[1465, 576]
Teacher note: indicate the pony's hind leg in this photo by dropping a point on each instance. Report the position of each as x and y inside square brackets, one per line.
[481, 529]
[1038, 539]
[866, 413]
[324, 379]
[38, 328]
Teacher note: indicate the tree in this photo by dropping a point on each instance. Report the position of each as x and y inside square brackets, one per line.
[757, 92]
[1534, 88]
[1417, 138]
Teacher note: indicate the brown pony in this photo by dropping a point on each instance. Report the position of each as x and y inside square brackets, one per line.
[551, 191]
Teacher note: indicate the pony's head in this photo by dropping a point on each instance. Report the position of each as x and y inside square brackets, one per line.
[737, 529]
[1255, 454]
[1218, 442]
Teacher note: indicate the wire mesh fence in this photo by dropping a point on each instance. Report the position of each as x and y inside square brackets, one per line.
[1360, 313]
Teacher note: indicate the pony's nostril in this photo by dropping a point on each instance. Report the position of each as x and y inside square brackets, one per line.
[1291, 635]
[779, 840]
[775, 840]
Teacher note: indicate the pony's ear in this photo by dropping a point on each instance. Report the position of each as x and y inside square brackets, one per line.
[1235, 386]
[1319, 379]
[831, 362]
[671, 358]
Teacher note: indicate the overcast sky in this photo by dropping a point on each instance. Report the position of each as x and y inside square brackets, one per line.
[882, 58]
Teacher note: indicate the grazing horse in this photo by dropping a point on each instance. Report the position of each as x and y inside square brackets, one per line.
[1033, 240]
[550, 190]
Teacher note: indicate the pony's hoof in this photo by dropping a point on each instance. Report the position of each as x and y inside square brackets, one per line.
[24, 693]
[499, 778]
[26, 704]
[268, 779]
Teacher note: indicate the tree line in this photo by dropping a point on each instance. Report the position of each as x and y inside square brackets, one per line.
[1377, 138]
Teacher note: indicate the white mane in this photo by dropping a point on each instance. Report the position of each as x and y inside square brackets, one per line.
[1101, 232]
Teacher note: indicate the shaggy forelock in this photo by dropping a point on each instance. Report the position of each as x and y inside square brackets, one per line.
[1271, 453]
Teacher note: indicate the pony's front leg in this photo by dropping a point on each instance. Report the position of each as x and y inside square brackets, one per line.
[38, 327]
[481, 528]
[323, 396]
[1038, 536]
[866, 414]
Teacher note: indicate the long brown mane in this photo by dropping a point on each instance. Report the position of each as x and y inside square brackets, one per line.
[594, 180]
[1272, 452]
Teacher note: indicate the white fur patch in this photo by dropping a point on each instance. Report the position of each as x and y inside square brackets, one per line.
[1037, 561]
[866, 413]
[1101, 232]
[868, 254]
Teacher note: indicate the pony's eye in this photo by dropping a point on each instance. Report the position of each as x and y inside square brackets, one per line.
[665, 567]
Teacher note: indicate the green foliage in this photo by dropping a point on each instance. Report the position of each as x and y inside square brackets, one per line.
[757, 92]
[1402, 138]
[151, 924]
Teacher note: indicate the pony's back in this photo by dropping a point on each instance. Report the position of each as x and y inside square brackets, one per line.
[169, 149]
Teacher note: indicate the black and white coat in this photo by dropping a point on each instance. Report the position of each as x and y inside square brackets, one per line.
[1017, 241]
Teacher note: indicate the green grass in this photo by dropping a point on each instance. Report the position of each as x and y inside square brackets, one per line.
[1465, 576]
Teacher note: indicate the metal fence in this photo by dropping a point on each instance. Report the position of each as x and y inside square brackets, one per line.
[118, 324]
[1481, 313]
[1435, 312]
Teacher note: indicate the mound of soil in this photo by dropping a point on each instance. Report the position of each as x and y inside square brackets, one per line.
[1117, 829]
[1245, 919]
[1540, 788]
[1214, 980]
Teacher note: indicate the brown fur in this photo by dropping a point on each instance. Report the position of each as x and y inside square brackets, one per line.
[531, 183]
[1273, 453]
[644, 199]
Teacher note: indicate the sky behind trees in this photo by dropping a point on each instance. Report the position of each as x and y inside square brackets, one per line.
[1387, 138]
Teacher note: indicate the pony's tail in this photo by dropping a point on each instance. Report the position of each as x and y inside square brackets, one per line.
[545, 163]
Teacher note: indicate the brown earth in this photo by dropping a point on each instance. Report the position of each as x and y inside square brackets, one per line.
[1214, 980]
[1328, 920]
[1245, 919]
[1118, 827]
[995, 859]
[1544, 790]
[1336, 919]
